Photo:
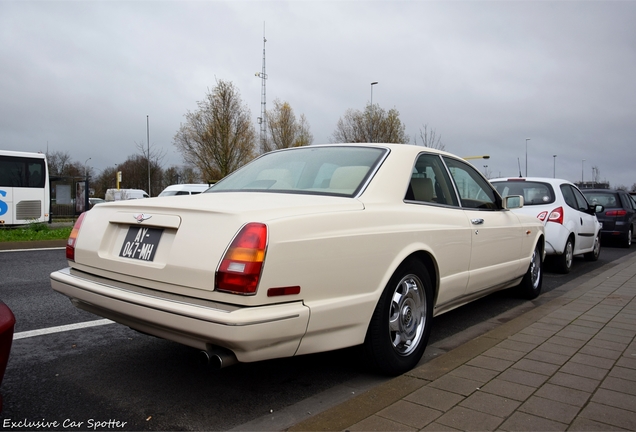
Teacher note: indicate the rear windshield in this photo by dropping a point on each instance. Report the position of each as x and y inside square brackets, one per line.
[533, 193]
[606, 199]
[329, 170]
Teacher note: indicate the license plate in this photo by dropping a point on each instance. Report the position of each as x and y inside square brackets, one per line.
[141, 243]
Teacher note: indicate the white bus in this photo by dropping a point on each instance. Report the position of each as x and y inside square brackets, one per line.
[25, 194]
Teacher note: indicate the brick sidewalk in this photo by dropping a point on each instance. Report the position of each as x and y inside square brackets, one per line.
[569, 364]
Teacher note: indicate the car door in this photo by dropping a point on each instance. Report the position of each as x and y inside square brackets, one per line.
[585, 223]
[497, 235]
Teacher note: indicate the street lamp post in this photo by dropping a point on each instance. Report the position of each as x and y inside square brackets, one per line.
[554, 166]
[86, 168]
[582, 165]
[527, 139]
[372, 84]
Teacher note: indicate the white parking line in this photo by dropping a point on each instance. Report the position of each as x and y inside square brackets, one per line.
[59, 329]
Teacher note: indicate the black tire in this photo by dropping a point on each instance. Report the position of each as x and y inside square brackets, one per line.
[530, 286]
[627, 241]
[565, 260]
[596, 251]
[401, 323]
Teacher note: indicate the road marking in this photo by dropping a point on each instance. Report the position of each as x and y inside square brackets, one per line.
[59, 329]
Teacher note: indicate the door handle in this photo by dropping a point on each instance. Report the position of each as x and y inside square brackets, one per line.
[477, 221]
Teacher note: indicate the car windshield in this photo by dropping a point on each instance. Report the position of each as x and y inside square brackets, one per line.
[534, 193]
[606, 199]
[324, 170]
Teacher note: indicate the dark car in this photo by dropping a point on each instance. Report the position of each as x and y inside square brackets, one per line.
[619, 214]
[7, 324]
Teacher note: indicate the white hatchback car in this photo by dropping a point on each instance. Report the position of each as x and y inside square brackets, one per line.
[571, 226]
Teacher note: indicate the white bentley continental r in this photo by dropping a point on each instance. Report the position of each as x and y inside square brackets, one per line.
[306, 250]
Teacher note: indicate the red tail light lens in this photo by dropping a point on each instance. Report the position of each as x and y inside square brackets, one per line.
[556, 215]
[615, 213]
[241, 266]
[541, 216]
[72, 239]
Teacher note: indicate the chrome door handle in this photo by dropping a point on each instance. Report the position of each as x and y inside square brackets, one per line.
[477, 221]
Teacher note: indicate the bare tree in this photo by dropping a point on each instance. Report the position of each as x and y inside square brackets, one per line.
[430, 139]
[219, 137]
[58, 162]
[373, 125]
[284, 130]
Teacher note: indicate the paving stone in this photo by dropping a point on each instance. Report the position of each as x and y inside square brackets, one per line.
[614, 338]
[491, 363]
[574, 381]
[528, 338]
[583, 322]
[469, 420]
[557, 348]
[600, 352]
[550, 409]
[619, 385]
[552, 327]
[490, 404]
[410, 414]
[521, 421]
[523, 377]
[536, 366]
[617, 331]
[566, 395]
[605, 344]
[568, 342]
[615, 399]
[610, 415]
[431, 397]
[547, 357]
[582, 370]
[585, 329]
[589, 360]
[583, 424]
[437, 427]
[504, 354]
[377, 423]
[627, 362]
[454, 384]
[623, 373]
[517, 346]
[474, 373]
[508, 389]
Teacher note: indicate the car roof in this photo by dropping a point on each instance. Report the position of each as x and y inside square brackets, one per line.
[550, 180]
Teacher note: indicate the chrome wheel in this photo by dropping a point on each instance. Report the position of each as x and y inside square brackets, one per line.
[407, 315]
[535, 270]
[530, 286]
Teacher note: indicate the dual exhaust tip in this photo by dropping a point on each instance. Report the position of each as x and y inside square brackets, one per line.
[218, 358]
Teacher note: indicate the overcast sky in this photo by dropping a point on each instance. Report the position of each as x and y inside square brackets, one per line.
[82, 76]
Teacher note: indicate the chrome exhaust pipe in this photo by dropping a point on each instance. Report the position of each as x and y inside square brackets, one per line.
[218, 358]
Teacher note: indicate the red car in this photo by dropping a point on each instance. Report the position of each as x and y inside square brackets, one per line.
[7, 323]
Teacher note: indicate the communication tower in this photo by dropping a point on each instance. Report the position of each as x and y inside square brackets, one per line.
[262, 119]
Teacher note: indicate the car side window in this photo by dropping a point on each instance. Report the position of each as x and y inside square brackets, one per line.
[430, 182]
[581, 201]
[474, 190]
[568, 196]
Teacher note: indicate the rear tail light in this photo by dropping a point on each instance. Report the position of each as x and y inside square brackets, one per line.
[615, 213]
[72, 239]
[556, 215]
[241, 266]
[541, 216]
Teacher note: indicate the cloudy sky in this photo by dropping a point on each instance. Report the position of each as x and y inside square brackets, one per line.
[82, 76]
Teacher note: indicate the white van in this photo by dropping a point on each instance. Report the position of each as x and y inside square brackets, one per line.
[125, 194]
[184, 189]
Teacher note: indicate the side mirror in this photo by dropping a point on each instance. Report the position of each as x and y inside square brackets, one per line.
[598, 208]
[513, 202]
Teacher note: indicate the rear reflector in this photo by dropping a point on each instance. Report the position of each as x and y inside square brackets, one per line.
[282, 291]
[241, 266]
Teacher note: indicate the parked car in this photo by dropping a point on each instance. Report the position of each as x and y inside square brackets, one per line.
[618, 217]
[7, 324]
[306, 250]
[571, 226]
[93, 201]
[125, 194]
[184, 189]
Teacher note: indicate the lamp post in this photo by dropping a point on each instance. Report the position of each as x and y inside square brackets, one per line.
[582, 165]
[554, 166]
[527, 139]
[372, 84]
[86, 168]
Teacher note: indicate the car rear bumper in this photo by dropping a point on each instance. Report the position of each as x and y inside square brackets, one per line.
[251, 333]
